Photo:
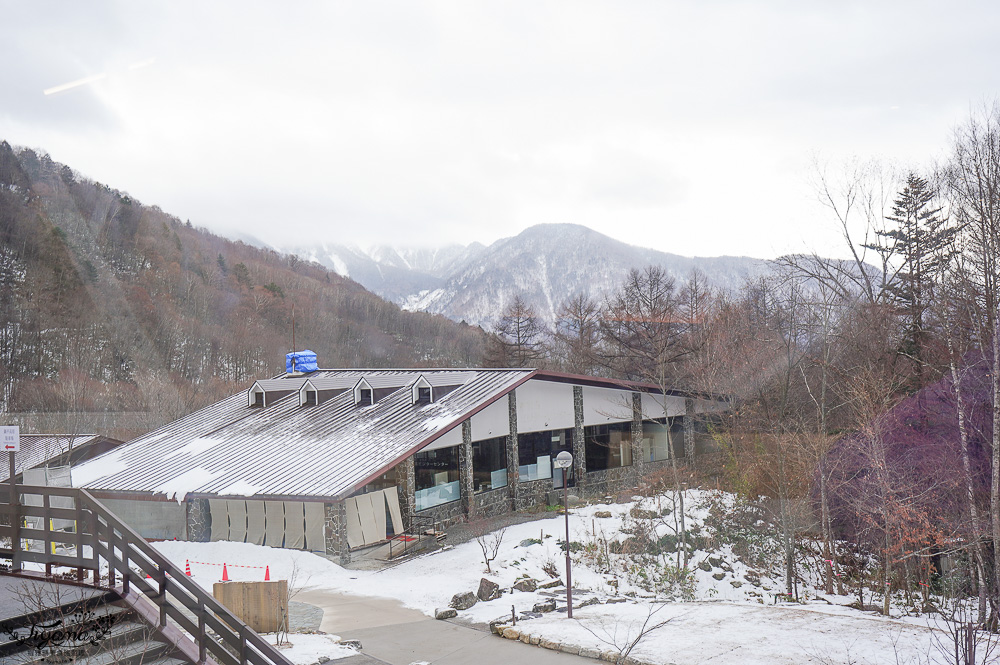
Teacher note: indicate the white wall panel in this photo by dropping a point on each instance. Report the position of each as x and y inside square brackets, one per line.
[315, 526]
[652, 405]
[543, 405]
[255, 522]
[295, 525]
[453, 437]
[491, 422]
[274, 523]
[606, 405]
[237, 521]
[220, 519]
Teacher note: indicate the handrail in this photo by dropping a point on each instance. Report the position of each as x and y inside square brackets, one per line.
[118, 552]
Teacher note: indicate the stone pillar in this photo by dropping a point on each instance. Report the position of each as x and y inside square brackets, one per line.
[513, 463]
[638, 461]
[689, 428]
[406, 479]
[465, 487]
[199, 521]
[579, 442]
[336, 531]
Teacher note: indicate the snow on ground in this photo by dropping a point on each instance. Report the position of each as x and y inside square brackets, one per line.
[726, 612]
[306, 648]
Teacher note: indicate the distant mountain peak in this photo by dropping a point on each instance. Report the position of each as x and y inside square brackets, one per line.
[546, 264]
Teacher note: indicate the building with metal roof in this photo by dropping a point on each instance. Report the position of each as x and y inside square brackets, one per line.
[57, 450]
[336, 460]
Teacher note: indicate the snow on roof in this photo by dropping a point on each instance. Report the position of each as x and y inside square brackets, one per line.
[327, 450]
[37, 449]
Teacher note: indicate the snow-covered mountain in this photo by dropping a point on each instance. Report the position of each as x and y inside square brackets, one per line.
[546, 264]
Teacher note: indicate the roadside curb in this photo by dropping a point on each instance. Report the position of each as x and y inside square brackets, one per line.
[511, 633]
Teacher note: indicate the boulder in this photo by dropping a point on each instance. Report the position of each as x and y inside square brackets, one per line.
[593, 600]
[603, 514]
[463, 601]
[526, 584]
[590, 653]
[547, 606]
[613, 601]
[488, 590]
[551, 584]
[511, 633]
[445, 613]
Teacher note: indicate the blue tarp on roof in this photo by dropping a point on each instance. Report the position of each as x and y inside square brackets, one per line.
[300, 361]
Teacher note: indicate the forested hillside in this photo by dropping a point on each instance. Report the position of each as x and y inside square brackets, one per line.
[116, 316]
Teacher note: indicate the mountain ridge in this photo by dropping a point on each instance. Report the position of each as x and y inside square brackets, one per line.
[545, 264]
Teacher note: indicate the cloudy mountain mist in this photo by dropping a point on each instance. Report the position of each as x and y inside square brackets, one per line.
[546, 264]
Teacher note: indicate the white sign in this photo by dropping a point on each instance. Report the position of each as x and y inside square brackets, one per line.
[10, 438]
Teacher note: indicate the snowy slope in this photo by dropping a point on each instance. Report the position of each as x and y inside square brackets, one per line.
[730, 618]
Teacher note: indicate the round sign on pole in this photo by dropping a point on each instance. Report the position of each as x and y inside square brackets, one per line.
[563, 460]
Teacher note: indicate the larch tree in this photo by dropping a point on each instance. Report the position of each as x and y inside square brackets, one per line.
[518, 338]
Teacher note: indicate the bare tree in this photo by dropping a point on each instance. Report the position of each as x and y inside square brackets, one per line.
[577, 334]
[623, 635]
[973, 179]
[518, 337]
[489, 536]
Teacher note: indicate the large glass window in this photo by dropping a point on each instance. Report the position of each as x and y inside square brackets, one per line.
[437, 477]
[489, 464]
[536, 450]
[608, 446]
[655, 441]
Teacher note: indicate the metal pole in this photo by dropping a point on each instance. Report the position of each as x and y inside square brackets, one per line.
[15, 520]
[569, 569]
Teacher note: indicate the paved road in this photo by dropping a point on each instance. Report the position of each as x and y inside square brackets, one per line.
[394, 635]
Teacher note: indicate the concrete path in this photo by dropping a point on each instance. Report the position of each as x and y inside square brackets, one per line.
[393, 634]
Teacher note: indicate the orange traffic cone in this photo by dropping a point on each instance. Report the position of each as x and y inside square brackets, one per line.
[187, 567]
[225, 573]
[267, 573]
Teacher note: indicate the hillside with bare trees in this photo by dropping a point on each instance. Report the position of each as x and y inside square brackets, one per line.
[117, 317]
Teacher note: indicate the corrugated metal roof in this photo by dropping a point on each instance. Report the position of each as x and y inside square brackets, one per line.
[291, 383]
[36, 449]
[285, 449]
[332, 382]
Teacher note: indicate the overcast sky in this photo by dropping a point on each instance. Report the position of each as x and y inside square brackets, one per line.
[690, 127]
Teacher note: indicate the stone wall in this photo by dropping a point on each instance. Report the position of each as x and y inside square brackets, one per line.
[493, 503]
[199, 521]
[335, 518]
[534, 493]
[446, 514]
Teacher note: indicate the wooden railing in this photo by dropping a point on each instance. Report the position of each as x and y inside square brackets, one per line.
[96, 547]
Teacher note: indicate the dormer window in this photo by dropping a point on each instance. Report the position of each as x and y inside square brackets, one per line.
[422, 391]
[310, 398]
[258, 399]
[364, 394]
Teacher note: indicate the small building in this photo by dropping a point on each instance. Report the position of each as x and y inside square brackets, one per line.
[40, 451]
[336, 460]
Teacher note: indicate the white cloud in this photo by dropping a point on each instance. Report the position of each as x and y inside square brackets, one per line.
[685, 126]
